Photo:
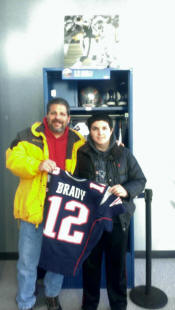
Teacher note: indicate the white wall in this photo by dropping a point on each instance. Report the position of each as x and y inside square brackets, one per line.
[152, 50]
[146, 36]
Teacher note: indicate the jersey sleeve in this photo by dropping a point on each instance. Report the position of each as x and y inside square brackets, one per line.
[112, 204]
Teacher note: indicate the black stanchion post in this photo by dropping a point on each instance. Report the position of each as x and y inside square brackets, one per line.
[148, 296]
[148, 200]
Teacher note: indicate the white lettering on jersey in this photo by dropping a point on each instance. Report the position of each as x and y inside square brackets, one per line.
[99, 188]
[60, 188]
[68, 190]
[64, 232]
[54, 208]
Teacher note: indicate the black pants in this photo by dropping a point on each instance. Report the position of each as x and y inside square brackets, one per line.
[114, 245]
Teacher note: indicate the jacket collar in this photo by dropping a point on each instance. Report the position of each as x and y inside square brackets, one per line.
[37, 128]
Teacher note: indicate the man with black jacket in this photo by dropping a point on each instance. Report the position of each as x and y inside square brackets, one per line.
[102, 160]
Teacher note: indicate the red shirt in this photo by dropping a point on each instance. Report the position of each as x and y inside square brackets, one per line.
[57, 146]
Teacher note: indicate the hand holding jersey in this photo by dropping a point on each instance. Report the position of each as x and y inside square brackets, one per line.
[47, 165]
[119, 190]
[79, 211]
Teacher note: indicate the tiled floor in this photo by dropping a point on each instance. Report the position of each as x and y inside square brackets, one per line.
[163, 278]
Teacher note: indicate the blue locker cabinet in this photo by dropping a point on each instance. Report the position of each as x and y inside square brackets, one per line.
[115, 89]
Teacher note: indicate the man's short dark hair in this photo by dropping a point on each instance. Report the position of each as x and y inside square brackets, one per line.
[59, 100]
[99, 117]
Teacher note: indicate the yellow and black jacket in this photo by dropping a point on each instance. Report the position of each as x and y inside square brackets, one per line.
[23, 158]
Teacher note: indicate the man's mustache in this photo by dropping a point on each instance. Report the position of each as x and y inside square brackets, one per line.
[57, 121]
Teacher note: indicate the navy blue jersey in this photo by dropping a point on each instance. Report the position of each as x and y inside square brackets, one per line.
[78, 213]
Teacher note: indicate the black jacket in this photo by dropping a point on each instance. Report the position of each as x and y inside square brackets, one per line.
[121, 168]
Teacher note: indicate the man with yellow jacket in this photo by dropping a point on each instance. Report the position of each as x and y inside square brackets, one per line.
[34, 153]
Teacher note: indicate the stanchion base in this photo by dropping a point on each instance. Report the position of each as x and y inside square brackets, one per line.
[154, 299]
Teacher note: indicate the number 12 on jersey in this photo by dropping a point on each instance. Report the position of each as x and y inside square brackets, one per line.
[66, 223]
